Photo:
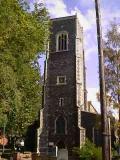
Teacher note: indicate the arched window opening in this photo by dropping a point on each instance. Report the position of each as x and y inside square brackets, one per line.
[62, 41]
[61, 102]
[60, 125]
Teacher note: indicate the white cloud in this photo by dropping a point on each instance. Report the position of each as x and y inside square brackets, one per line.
[88, 22]
[83, 20]
[57, 8]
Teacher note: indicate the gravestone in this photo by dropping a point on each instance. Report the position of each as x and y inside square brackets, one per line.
[62, 154]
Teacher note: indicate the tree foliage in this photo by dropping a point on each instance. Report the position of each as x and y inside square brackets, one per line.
[112, 63]
[89, 151]
[23, 35]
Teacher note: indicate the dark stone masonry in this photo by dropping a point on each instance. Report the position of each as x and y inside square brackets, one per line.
[63, 87]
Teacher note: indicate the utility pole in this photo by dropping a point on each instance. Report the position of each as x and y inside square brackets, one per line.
[109, 131]
[104, 121]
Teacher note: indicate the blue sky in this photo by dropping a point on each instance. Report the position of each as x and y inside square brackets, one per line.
[110, 9]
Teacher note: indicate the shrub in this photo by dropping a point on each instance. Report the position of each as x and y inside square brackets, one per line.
[89, 151]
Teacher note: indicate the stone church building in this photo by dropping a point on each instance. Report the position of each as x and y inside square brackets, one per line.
[64, 88]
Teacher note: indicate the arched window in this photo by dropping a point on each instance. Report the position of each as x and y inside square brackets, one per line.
[60, 125]
[62, 41]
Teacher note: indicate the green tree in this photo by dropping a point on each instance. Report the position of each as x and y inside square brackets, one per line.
[23, 35]
[89, 151]
[112, 63]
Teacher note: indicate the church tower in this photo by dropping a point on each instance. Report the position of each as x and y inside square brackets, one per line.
[60, 117]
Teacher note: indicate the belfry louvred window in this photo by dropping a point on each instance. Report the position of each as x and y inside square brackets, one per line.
[62, 41]
[61, 102]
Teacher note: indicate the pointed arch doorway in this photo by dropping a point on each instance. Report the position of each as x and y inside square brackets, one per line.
[61, 130]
